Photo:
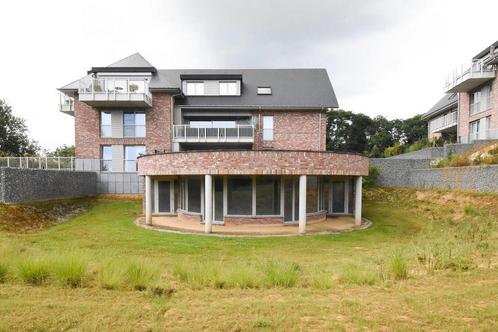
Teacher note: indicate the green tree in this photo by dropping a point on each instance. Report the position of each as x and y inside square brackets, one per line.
[348, 131]
[414, 129]
[14, 140]
[62, 151]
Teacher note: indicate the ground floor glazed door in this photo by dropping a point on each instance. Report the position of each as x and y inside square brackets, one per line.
[218, 199]
[164, 196]
[291, 199]
[338, 197]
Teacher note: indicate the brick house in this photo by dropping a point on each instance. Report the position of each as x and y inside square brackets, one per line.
[468, 111]
[217, 146]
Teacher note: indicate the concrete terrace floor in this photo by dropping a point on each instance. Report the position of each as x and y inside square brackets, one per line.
[331, 225]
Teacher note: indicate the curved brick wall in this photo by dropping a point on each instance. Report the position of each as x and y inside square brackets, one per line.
[253, 162]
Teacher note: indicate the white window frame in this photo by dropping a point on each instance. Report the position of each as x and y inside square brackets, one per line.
[194, 88]
[134, 125]
[264, 90]
[125, 160]
[107, 126]
[228, 88]
[268, 128]
[107, 162]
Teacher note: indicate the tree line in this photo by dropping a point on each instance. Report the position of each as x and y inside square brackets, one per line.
[346, 131]
[374, 137]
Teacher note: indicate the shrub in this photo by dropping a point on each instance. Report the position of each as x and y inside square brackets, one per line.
[398, 266]
[4, 269]
[281, 274]
[418, 145]
[34, 271]
[139, 275]
[371, 180]
[352, 274]
[110, 276]
[393, 150]
[70, 270]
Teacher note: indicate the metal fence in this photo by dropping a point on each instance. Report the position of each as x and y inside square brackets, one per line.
[62, 163]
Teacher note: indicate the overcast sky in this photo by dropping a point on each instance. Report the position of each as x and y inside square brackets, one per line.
[383, 57]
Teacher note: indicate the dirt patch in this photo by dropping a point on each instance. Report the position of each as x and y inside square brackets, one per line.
[29, 217]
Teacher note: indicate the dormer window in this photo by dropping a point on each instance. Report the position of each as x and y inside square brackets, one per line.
[264, 90]
[228, 88]
[195, 88]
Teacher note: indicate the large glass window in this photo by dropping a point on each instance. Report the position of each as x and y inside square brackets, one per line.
[133, 124]
[195, 88]
[311, 194]
[105, 124]
[194, 194]
[267, 128]
[106, 158]
[239, 196]
[338, 190]
[267, 195]
[131, 154]
[228, 88]
[480, 100]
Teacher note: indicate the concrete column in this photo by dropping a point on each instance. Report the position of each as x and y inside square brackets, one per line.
[148, 200]
[208, 203]
[357, 201]
[302, 204]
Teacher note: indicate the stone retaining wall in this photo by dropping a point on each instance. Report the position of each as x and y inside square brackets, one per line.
[396, 172]
[24, 185]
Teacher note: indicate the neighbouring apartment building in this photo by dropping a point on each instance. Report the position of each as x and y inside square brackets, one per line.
[469, 109]
[217, 146]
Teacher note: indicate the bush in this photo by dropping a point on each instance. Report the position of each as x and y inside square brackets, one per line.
[281, 274]
[139, 275]
[34, 271]
[71, 270]
[371, 180]
[352, 274]
[398, 266]
[418, 145]
[393, 150]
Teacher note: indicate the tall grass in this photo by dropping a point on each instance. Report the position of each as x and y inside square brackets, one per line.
[398, 266]
[139, 275]
[70, 270]
[110, 275]
[353, 274]
[199, 275]
[34, 271]
[4, 270]
[281, 274]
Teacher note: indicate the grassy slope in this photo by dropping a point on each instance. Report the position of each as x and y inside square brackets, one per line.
[442, 300]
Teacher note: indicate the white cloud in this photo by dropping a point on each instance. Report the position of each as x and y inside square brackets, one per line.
[384, 57]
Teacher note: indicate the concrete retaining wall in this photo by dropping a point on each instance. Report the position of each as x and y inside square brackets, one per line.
[24, 185]
[442, 152]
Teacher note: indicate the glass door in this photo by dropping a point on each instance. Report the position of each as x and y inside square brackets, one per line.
[218, 199]
[338, 192]
[164, 196]
[288, 199]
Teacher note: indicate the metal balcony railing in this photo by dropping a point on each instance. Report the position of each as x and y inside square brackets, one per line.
[56, 163]
[477, 71]
[444, 121]
[239, 133]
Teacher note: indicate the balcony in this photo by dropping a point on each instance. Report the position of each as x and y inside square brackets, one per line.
[490, 134]
[470, 78]
[66, 104]
[444, 123]
[115, 93]
[189, 134]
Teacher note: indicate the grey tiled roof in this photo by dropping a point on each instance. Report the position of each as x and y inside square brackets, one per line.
[306, 87]
[447, 102]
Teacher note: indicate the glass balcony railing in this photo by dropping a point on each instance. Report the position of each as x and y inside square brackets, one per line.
[238, 133]
[115, 91]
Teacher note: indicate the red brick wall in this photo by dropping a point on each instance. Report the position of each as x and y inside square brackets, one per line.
[293, 130]
[158, 129]
[253, 162]
[464, 108]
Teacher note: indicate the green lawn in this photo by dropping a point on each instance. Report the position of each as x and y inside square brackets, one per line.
[447, 241]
